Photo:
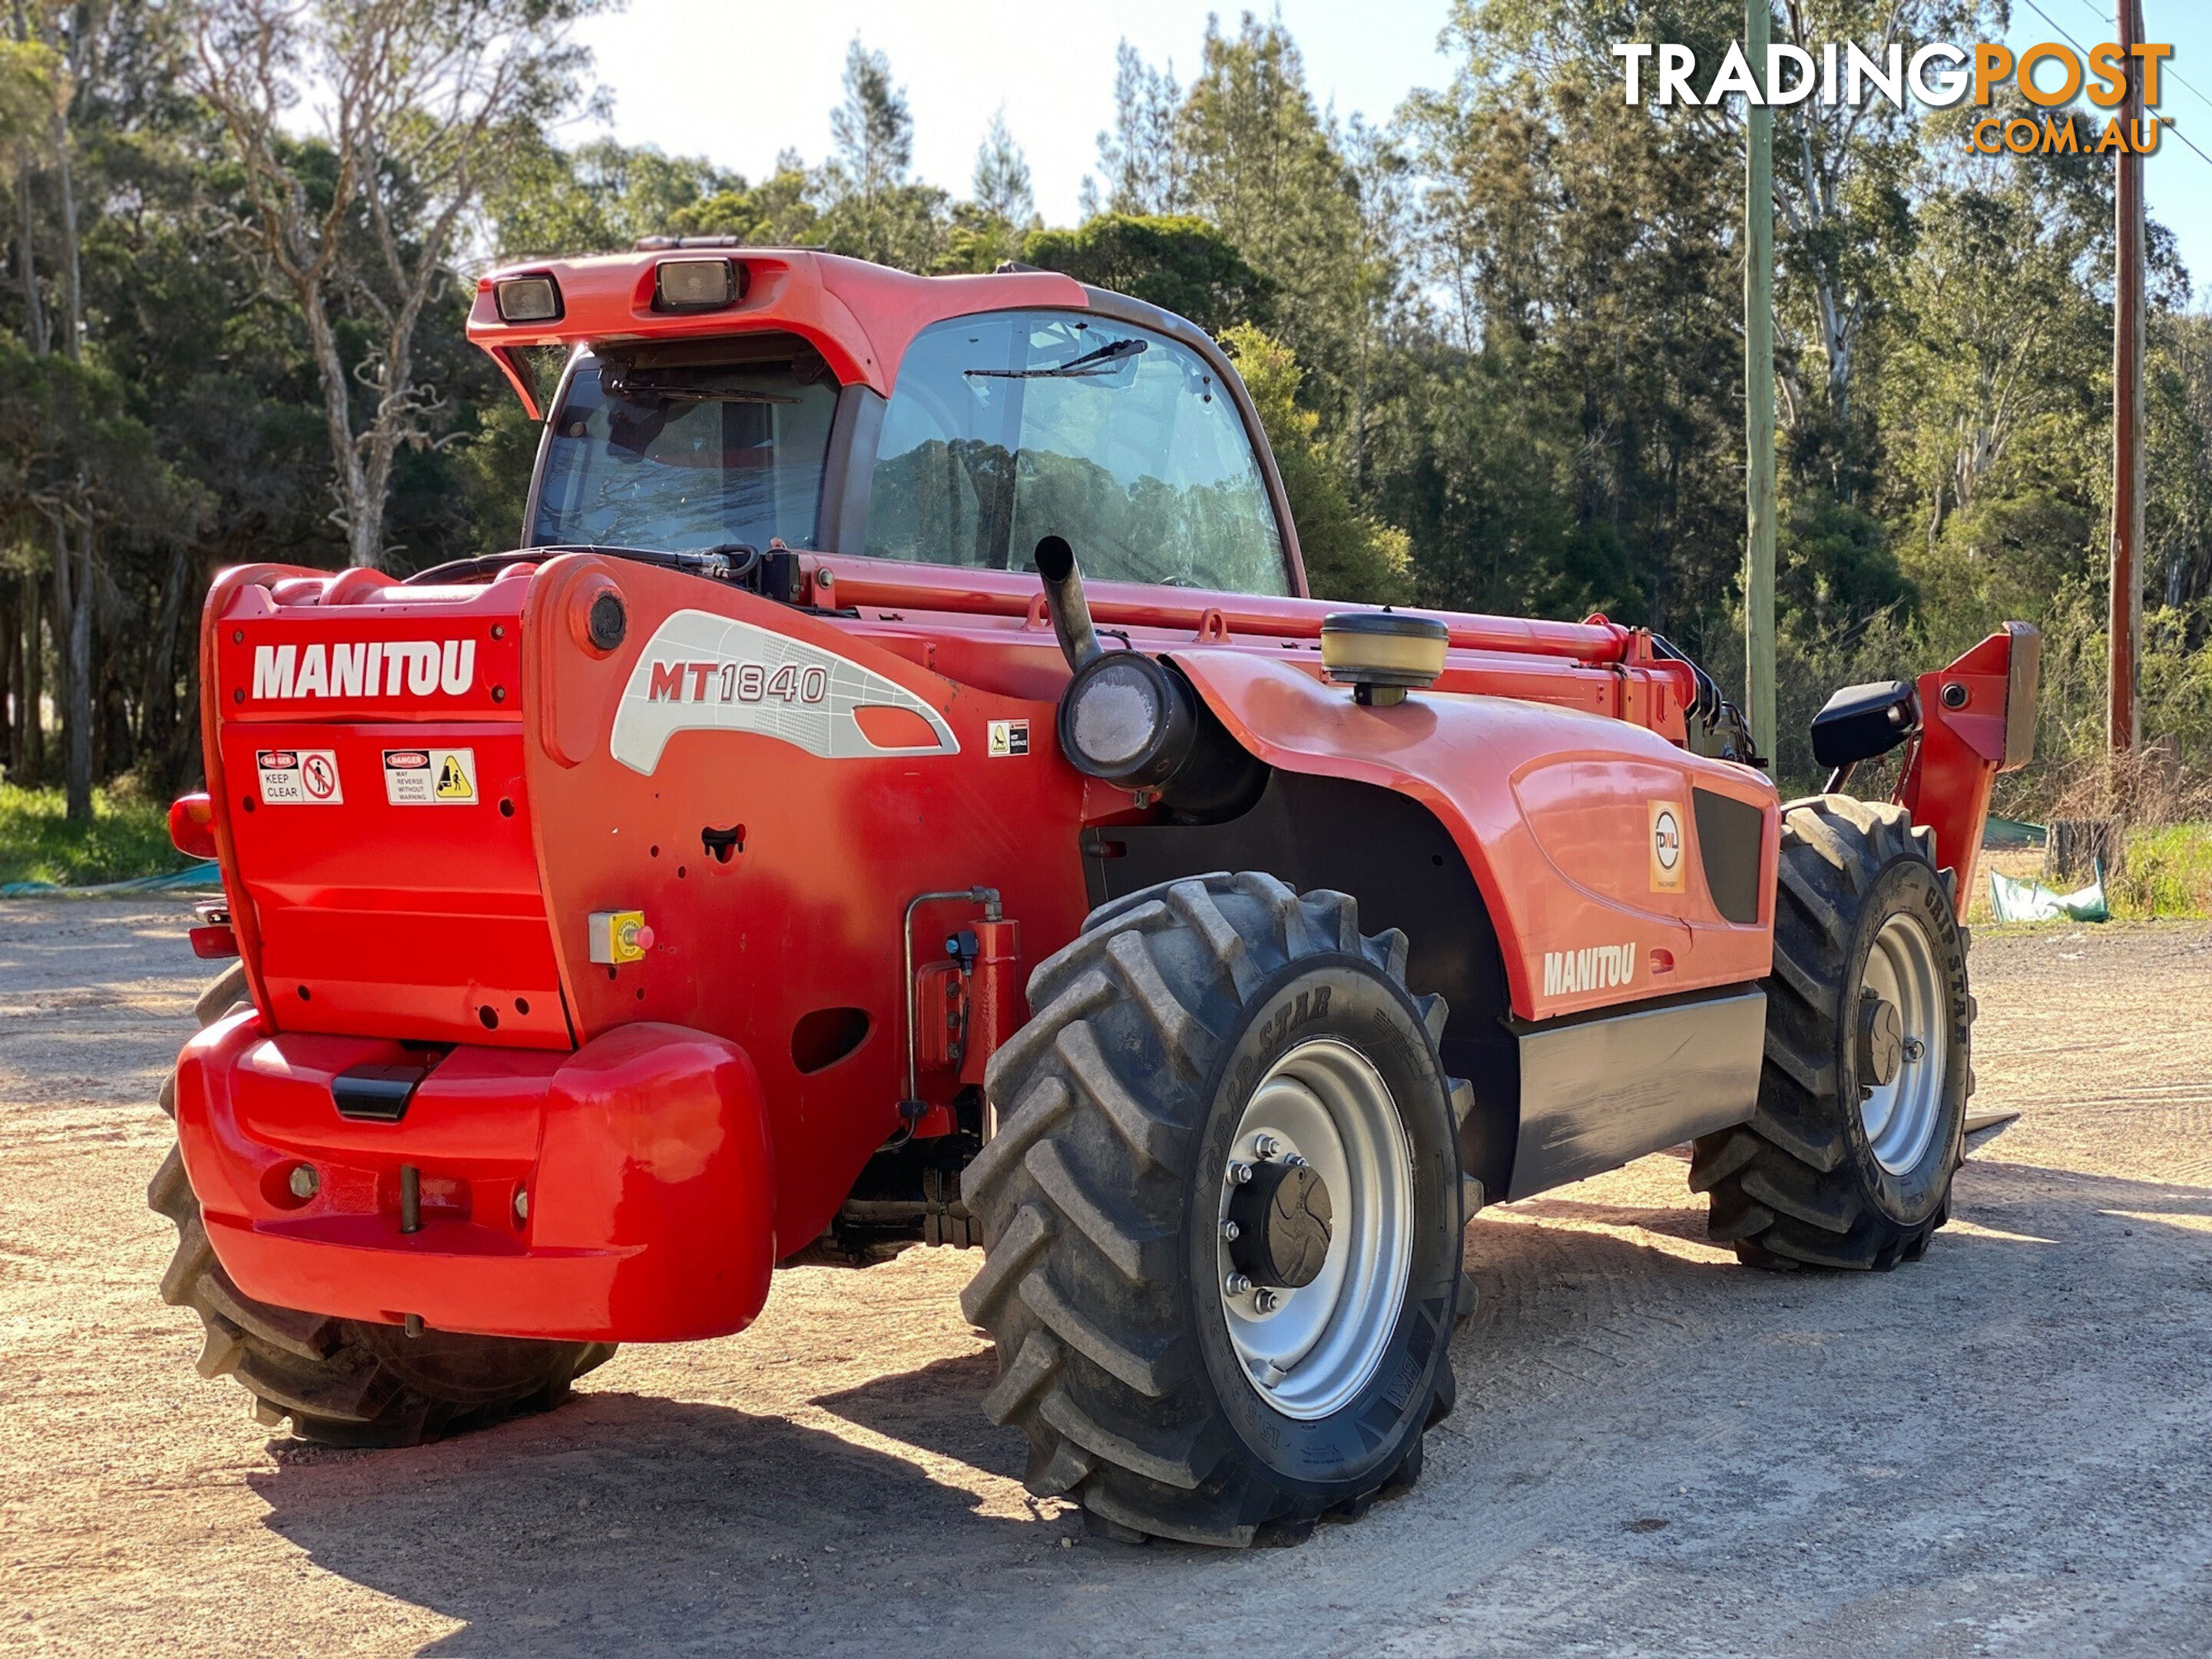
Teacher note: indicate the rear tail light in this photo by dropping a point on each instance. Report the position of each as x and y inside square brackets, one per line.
[191, 826]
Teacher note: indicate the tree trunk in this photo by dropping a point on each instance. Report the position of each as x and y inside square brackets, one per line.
[72, 263]
[11, 680]
[34, 310]
[73, 642]
[362, 509]
[157, 692]
[32, 713]
[181, 765]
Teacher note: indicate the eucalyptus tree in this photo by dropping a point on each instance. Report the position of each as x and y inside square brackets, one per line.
[367, 132]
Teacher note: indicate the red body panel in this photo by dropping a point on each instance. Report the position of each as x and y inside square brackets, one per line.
[807, 916]
[367, 916]
[645, 1155]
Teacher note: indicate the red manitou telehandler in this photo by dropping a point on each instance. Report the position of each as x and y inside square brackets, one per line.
[901, 793]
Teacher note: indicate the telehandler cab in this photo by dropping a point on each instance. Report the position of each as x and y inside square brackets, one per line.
[901, 792]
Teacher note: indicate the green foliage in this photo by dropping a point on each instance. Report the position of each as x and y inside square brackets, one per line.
[1834, 568]
[871, 209]
[601, 197]
[494, 464]
[1347, 555]
[1258, 162]
[1180, 263]
[2168, 873]
[128, 837]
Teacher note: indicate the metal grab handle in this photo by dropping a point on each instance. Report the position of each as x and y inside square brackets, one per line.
[985, 897]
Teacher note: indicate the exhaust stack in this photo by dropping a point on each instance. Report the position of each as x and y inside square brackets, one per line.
[1064, 601]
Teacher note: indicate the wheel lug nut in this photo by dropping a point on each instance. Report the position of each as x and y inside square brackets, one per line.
[1240, 1173]
[1236, 1284]
[1294, 1161]
[1266, 1302]
[1266, 1146]
[1231, 1231]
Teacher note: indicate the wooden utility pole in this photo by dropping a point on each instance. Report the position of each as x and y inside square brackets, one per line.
[2125, 627]
[1758, 391]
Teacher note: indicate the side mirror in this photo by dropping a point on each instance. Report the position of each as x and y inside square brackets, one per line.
[1862, 721]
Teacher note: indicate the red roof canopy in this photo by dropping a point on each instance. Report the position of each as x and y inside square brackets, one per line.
[860, 316]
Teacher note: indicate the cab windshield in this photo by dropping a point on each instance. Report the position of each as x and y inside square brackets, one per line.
[688, 446]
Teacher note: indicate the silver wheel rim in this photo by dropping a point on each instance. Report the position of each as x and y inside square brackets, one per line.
[1901, 1115]
[1319, 1343]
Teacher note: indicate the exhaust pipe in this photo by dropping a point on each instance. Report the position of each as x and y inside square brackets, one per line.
[1064, 601]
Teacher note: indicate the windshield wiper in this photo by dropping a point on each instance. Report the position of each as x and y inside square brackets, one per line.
[1104, 361]
[725, 561]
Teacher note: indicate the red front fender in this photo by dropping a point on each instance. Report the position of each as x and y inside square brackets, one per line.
[1553, 811]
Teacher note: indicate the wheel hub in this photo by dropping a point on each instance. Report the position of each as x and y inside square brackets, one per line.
[1282, 1216]
[1904, 1020]
[1315, 1226]
[1881, 1040]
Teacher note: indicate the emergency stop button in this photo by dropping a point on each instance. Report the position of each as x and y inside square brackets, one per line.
[619, 936]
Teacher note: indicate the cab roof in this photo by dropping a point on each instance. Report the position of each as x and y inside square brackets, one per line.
[861, 317]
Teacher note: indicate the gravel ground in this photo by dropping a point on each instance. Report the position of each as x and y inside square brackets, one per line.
[2003, 1449]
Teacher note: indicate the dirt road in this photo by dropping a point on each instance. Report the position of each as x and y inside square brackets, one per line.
[2006, 1449]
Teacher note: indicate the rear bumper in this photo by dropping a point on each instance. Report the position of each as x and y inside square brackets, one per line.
[644, 1155]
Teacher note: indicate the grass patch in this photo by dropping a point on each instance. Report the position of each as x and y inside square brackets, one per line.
[2169, 873]
[128, 837]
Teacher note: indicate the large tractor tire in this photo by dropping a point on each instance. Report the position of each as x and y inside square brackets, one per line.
[1221, 1216]
[1848, 1160]
[341, 1381]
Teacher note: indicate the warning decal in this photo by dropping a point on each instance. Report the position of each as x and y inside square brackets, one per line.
[299, 777]
[430, 777]
[1009, 738]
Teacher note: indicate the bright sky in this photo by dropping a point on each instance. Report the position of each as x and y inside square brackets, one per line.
[738, 82]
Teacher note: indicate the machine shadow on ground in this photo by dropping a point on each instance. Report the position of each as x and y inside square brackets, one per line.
[624, 1524]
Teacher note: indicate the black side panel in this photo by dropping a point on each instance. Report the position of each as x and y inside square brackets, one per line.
[1601, 1089]
[1392, 854]
[1731, 836]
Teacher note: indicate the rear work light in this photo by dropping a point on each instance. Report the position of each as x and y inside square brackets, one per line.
[528, 300]
[695, 284]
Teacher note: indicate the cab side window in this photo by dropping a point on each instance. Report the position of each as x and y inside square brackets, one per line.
[1008, 428]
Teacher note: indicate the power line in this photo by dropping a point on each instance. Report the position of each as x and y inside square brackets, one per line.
[2169, 72]
[2171, 126]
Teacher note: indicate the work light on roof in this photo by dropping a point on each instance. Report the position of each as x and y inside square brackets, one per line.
[528, 300]
[695, 284]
